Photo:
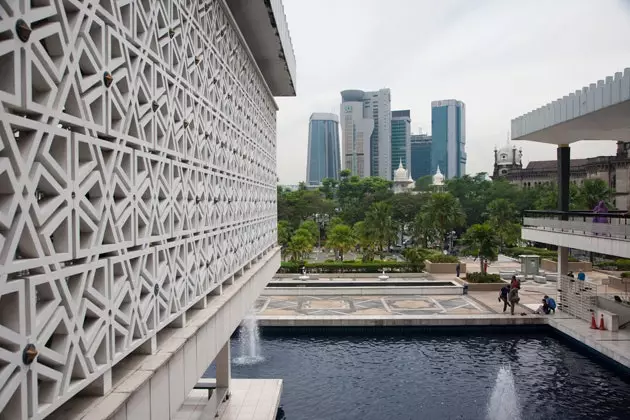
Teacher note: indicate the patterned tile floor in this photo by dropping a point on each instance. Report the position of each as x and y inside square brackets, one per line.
[368, 305]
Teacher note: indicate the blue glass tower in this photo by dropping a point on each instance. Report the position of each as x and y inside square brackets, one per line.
[420, 156]
[323, 160]
[448, 127]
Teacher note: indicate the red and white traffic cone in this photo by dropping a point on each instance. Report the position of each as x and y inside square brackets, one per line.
[601, 323]
[593, 322]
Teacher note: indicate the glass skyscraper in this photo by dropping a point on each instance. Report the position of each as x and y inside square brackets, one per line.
[420, 156]
[448, 130]
[401, 136]
[366, 132]
[323, 159]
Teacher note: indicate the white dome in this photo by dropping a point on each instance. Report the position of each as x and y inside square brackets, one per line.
[508, 155]
[438, 178]
[400, 174]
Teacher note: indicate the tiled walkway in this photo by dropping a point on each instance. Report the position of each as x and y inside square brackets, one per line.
[339, 306]
[251, 399]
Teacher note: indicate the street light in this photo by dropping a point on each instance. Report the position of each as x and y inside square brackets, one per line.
[452, 238]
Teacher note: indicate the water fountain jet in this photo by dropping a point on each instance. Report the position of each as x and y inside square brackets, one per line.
[383, 276]
[503, 404]
[249, 341]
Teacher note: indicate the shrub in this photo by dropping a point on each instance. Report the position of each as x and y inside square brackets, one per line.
[616, 265]
[483, 278]
[542, 252]
[441, 258]
[351, 267]
[625, 274]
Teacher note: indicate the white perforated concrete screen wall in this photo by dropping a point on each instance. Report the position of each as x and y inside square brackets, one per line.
[137, 173]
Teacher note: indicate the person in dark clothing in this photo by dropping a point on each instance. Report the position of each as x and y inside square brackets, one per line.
[458, 269]
[503, 296]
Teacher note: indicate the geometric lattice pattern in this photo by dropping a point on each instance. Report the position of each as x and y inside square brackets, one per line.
[137, 173]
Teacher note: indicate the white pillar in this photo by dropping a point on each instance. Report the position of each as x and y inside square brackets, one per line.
[224, 370]
[563, 261]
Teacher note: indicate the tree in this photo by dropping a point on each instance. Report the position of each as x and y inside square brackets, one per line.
[424, 183]
[405, 206]
[502, 217]
[341, 239]
[379, 223]
[366, 241]
[301, 244]
[284, 233]
[423, 232]
[442, 213]
[592, 191]
[481, 240]
[312, 227]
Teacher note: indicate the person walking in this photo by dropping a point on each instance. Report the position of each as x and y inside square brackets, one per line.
[513, 298]
[503, 296]
[457, 269]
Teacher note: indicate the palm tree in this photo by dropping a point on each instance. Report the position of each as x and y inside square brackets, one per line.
[341, 239]
[380, 225]
[592, 192]
[482, 241]
[301, 244]
[365, 240]
[443, 213]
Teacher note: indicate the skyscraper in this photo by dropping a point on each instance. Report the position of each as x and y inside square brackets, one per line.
[420, 155]
[448, 126]
[401, 137]
[323, 148]
[366, 132]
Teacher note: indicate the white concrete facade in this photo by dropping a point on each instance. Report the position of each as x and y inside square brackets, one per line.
[137, 180]
[596, 112]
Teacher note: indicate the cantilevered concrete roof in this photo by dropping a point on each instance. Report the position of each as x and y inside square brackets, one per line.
[600, 111]
[264, 27]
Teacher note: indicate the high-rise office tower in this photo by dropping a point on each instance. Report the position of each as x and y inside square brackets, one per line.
[420, 155]
[448, 130]
[323, 148]
[366, 132]
[401, 137]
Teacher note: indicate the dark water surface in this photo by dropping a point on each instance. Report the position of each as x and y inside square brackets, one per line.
[369, 377]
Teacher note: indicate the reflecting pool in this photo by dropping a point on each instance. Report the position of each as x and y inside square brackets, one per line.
[437, 376]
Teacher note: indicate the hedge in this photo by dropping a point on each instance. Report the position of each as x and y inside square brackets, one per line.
[477, 277]
[441, 259]
[614, 265]
[350, 267]
[542, 252]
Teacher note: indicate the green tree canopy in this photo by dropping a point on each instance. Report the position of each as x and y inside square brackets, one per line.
[442, 213]
[380, 225]
[341, 239]
[481, 240]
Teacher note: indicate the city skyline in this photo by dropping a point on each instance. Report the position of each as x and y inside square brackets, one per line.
[496, 80]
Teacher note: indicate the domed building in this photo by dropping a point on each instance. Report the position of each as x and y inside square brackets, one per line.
[507, 159]
[402, 180]
[438, 181]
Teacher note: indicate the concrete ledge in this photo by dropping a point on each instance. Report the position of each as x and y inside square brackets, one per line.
[333, 276]
[444, 268]
[575, 266]
[364, 291]
[398, 321]
[611, 320]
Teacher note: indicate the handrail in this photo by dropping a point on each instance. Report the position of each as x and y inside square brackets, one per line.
[614, 214]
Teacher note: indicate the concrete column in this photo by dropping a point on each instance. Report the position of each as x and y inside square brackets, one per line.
[563, 261]
[224, 370]
[564, 175]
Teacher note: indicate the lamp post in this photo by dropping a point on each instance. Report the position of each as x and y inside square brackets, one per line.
[451, 239]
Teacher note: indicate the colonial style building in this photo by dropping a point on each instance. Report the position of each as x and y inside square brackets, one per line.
[614, 170]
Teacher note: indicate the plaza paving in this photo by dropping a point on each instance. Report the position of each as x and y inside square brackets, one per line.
[340, 306]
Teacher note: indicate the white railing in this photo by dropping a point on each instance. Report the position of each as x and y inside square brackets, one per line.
[576, 297]
[614, 226]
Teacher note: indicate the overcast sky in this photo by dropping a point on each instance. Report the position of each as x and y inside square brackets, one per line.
[503, 58]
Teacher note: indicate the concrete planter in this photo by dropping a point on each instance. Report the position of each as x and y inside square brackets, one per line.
[482, 287]
[575, 266]
[444, 268]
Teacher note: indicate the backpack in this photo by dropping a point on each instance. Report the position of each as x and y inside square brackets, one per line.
[551, 303]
